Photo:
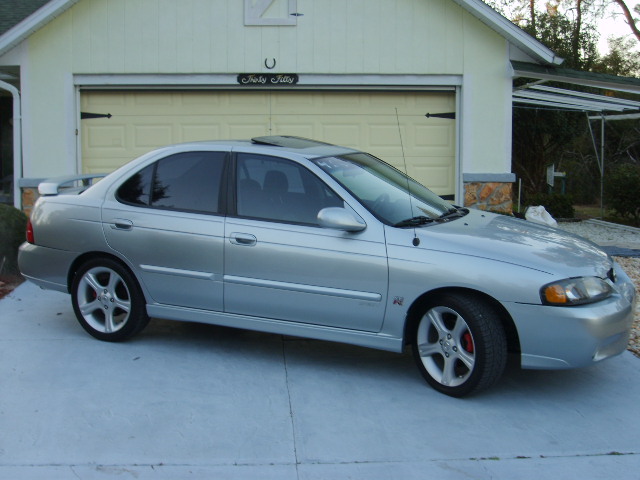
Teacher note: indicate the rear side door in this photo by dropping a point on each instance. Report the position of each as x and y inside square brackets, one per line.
[280, 264]
[167, 221]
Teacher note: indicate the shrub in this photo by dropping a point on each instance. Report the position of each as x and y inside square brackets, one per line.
[13, 224]
[622, 187]
[558, 205]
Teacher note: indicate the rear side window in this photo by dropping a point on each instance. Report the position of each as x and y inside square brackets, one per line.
[187, 181]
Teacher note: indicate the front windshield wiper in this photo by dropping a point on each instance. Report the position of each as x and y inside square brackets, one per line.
[454, 212]
[415, 221]
[423, 220]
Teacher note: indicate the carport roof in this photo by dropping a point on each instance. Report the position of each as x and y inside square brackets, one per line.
[552, 97]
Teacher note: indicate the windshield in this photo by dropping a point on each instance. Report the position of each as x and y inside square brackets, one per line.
[388, 193]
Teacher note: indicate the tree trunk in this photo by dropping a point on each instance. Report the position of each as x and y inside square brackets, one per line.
[576, 33]
[532, 16]
[629, 16]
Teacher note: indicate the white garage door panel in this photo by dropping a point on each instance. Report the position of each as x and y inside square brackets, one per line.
[368, 121]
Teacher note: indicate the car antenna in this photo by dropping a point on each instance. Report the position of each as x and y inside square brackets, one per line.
[416, 240]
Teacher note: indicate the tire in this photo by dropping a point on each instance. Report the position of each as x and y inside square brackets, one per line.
[459, 345]
[107, 300]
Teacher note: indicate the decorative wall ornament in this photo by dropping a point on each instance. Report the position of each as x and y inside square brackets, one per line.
[267, 79]
[271, 12]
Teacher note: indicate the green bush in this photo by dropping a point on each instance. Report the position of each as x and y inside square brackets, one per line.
[621, 188]
[13, 224]
[558, 205]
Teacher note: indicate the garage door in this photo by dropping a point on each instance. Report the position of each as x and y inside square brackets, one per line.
[141, 121]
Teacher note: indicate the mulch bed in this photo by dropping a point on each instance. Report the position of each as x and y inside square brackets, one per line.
[8, 283]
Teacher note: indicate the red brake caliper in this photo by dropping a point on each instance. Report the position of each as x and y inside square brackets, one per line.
[467, 342]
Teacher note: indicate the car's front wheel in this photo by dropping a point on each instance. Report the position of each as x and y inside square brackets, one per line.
[108, 301]
[459, 345]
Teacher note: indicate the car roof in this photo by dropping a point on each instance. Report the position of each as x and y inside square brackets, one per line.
[285, 143]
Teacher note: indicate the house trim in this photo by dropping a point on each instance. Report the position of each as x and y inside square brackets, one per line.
[204, 81]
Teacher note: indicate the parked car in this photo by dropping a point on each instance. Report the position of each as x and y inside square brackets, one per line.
[298, 237]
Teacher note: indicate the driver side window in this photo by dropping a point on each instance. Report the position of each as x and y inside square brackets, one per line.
[275, 189]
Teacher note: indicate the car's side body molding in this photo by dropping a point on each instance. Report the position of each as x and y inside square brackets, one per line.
[180, 272]
[297, 287]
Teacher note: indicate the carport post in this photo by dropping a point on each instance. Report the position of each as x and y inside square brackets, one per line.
[600, 157]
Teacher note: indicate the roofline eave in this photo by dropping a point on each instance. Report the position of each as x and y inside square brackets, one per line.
[32, 23]
[510, 31]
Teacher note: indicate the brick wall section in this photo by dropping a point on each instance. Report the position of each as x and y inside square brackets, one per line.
[491, 196]
[29, 197]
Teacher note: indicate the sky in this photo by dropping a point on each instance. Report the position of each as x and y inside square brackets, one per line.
[613, 24]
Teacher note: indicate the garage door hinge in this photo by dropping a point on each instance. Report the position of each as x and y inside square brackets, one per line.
[87, 115]
[76, 132]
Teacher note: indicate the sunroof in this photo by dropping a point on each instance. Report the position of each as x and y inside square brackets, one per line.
[288, 141]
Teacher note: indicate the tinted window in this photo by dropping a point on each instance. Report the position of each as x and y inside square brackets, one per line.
[275, 189]
[186, 181]
[136, 189]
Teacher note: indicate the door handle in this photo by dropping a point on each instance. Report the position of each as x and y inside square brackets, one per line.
[243, 239]
[122, 224]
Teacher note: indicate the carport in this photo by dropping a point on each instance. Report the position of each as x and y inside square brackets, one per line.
[597, 107]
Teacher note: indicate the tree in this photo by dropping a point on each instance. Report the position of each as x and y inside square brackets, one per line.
[629, 16]
[543, 136]
[620, 60]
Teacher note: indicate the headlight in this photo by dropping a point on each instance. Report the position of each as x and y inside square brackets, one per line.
[575, 291]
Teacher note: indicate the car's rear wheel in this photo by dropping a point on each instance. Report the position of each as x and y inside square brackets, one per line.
[107, 300]
[459, 345]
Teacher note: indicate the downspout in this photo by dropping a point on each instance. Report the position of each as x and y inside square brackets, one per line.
[17, 143]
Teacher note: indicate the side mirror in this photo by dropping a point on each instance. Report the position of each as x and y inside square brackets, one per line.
[340, 219]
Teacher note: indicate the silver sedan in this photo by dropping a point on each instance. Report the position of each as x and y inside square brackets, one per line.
[298, 237]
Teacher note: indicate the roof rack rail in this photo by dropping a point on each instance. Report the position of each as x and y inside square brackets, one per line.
[288, 141]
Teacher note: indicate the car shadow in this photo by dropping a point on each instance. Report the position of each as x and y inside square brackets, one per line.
[318, 357]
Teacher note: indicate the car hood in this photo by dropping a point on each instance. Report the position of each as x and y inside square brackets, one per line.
[515, 241]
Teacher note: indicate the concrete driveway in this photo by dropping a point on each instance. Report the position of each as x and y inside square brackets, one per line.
[194, 401]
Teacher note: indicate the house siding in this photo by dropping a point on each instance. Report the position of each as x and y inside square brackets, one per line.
[203, 36]
[334, 37]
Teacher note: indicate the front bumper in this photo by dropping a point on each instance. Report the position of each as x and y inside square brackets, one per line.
[567, 337]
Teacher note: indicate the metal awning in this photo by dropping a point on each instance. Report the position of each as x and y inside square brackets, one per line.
[553, 97]
[597, 107]
[536, 94]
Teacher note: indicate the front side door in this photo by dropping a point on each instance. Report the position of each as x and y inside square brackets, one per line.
[280, 264]
[167, 221]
